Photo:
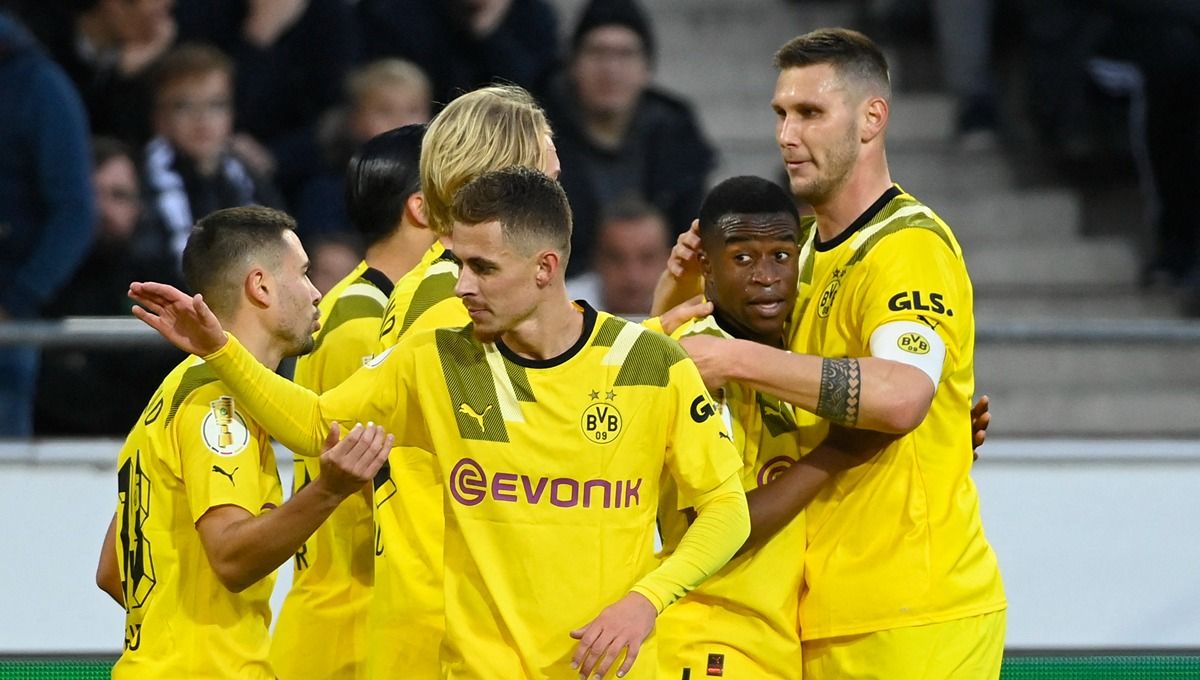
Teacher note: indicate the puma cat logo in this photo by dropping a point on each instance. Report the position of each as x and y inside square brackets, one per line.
[230, 475]
[466, 409]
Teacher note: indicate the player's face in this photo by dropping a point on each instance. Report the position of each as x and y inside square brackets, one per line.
[816, 126]
[196, 115]
[751, 272]
[297, 320]
[498, 282]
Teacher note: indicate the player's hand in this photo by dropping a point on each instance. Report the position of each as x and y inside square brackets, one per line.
[683, 276]
[184, 320]
[622, 626]
[695, 308]
[347, 465]
[980, 419]
[713, 357]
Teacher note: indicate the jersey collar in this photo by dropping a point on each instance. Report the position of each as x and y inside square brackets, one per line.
[862, 221]
[589, 325]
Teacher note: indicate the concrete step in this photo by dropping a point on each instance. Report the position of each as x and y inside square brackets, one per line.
[996, 305]
[1087, 367]
[1097, 261]
[1136, 411]
[985, 217]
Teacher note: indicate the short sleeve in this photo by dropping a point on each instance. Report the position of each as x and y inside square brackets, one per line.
[225, 458]
[700, 453]
[916, 275]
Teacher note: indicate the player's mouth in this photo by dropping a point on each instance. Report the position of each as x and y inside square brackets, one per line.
[768, 307]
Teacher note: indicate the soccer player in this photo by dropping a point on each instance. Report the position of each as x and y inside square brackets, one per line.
[334, 570]
[552, 425]
[199, 528]
[898, 572]
[486, 129]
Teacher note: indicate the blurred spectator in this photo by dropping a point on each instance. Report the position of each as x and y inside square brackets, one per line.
[189, 169]
[1160, 41]
[381, 96]
[46, 210]
[618, 136]
[463, 44]
[632, 246]
[88, 391]
[291, 57]
[107, 48]
[331, 257]
[964, 31]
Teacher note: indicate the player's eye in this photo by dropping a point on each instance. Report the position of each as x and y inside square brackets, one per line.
[782, 256]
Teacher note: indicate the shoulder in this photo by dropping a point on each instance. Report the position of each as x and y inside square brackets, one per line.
[645, 357]
[905, 224]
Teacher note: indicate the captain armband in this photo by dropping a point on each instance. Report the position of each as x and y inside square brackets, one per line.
[912, 343]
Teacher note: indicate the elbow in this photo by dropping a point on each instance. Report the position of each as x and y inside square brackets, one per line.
[232, 575]
[904, 409]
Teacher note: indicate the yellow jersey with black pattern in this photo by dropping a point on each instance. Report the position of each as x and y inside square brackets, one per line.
[551, 472]
[741, 622]
[333, 571]
[898, 542]
[191, 450]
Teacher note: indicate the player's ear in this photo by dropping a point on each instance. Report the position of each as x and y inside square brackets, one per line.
[414, 210]
[548, 263]
[705, 263]
[874, 118]
[257, 287]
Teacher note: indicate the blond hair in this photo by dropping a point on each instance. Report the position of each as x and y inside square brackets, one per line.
[386, 74]
[488, 129]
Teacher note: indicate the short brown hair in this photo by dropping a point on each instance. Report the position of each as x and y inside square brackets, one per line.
[190, 60]
[224, 244]
[531, 208]
[850, 53]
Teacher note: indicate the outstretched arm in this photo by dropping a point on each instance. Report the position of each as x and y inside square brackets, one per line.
[185, 320]
[775, 503]
[868, 393]
[243, 548]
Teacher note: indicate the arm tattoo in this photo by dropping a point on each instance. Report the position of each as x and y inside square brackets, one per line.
[841, 389]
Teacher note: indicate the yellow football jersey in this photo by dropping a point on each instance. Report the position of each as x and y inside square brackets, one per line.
[898, 542]
[424, 294]
[193, 449]
[333, 571]
[741, 622]
[408, 601]
[552, 471]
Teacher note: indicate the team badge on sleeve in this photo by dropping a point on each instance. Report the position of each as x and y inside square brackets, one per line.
[224, 431]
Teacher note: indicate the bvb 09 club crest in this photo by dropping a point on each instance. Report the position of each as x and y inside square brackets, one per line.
[601, 421]
[224, 431]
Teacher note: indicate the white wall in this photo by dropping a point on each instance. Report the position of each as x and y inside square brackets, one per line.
[1096, 541]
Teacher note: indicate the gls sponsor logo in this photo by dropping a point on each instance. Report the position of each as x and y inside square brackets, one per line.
[915, 301]
[470, 486]
[702, 409]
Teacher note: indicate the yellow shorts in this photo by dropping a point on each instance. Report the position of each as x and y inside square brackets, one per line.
[970, 649]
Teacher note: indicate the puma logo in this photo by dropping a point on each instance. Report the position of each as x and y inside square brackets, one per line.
[466, 409]
[769, 410]
[723, 434]
[230, 475]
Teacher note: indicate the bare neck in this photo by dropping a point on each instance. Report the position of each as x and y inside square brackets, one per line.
[553, 328]
[256, 339]
[868, 182]
[397, 254]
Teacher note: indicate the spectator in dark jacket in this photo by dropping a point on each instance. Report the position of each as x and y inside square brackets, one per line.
[46, 211]
[108, 48]
[464, 44]
[617, 136]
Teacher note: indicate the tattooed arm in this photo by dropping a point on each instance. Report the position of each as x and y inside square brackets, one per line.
[869, 393]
